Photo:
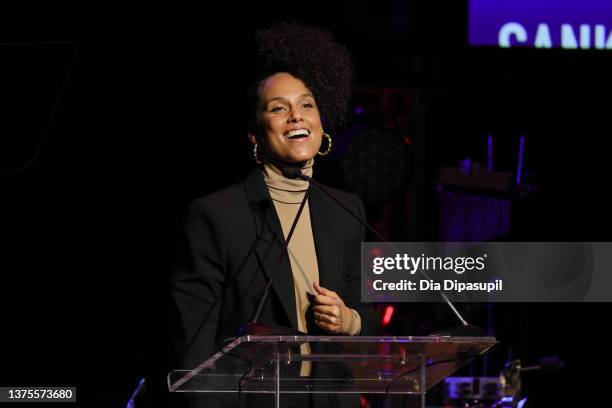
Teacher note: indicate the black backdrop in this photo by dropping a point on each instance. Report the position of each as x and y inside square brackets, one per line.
[152, 116]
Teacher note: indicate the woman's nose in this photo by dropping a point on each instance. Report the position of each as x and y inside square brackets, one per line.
[295, 116]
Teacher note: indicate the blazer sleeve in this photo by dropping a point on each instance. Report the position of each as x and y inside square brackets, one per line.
[370, 321]
[196, 286]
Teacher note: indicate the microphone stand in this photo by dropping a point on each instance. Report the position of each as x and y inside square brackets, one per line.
[254, 327]
[465, 329]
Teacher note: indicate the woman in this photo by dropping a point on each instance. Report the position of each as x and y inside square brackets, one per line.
[233, 237]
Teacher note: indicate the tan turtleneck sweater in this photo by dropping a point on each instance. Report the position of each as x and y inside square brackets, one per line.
[287, 194]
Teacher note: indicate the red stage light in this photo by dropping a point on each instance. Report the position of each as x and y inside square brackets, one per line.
[388, 315]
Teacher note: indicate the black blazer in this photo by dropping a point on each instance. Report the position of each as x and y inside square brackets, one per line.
[230, 242]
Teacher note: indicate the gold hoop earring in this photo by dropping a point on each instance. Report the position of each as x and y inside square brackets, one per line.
[256, 155]
[329, 145]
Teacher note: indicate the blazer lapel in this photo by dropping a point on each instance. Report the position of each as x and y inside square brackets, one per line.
[330, 250]
[270, 243]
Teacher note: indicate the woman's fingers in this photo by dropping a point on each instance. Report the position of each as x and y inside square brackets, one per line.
[328, 323]
[328, 310]
[324, 291]
[325, 296]
[325, 300]
[326, 318]
[318, 288]
[328, 314]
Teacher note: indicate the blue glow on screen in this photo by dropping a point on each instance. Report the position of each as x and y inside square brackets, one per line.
[568, 24]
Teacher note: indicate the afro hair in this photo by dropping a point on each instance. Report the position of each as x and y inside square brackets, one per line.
[312, 55]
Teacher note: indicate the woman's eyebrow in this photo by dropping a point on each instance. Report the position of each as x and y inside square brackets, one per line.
[283, 99]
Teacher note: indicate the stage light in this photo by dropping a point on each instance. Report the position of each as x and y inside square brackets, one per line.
[388, 315]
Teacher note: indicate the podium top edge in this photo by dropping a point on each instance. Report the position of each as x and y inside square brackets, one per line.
[367, 339]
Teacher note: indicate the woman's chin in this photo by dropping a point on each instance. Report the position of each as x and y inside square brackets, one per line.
[303, 159]
[299, 158]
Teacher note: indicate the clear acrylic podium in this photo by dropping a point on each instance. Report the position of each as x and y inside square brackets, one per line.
[333, 364]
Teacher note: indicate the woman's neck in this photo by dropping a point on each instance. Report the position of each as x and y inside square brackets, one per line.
[284, 189]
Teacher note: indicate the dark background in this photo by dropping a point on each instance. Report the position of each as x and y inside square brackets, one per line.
[152, 115]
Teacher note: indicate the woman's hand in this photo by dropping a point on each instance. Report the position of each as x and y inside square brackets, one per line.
[330, 312]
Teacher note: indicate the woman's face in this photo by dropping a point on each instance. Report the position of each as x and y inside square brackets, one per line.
[289, 118]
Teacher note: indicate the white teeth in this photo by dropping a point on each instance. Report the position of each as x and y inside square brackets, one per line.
[297, 132]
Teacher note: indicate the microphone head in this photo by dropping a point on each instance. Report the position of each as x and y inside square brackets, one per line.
[291, 172]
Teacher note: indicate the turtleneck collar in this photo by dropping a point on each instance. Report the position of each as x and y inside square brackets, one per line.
[282, 189]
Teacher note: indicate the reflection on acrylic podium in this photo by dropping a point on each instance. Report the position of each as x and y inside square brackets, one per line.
[274, 365]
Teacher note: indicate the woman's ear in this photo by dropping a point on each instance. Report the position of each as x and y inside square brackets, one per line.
[252, 138]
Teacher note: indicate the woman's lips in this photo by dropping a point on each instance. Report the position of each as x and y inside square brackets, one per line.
[297, 134]
[299, 139]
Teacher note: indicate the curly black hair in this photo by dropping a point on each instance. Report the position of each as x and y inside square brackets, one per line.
[312, 55]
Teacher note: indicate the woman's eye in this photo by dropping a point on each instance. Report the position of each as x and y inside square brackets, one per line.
[276, 109]
[308, 105]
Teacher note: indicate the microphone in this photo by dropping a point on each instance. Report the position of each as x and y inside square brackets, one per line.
[293, 173]
[254, 327]
[465, 329]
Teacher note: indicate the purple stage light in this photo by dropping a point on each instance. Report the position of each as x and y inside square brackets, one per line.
[519, 169]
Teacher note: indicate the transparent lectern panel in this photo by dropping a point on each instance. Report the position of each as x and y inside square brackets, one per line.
[319, 364]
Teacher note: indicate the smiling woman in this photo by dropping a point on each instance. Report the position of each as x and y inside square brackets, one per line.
[290, 120]
[232, 238]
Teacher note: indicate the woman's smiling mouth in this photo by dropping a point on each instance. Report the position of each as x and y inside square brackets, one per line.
[297, 134]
